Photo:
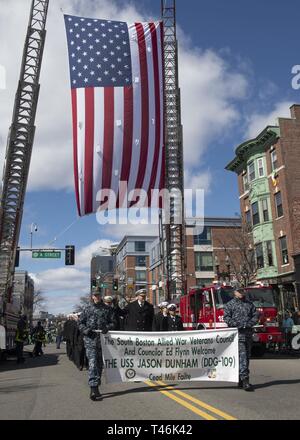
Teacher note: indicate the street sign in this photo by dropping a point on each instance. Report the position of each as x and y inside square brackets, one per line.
[104, 286]
[46, 254]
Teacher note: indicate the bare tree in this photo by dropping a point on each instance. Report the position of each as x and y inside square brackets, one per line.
[240, 250]
[39, 300]
[83, 302]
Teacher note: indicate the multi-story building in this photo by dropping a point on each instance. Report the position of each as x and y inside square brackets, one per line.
[132, 264]
[268, 169]
[102, 270]
[23, 293]
[212, 254]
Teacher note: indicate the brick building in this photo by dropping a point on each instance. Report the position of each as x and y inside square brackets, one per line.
[23, 293]
[132, 264]
[268, 169]
[212, 255]
[102, 266]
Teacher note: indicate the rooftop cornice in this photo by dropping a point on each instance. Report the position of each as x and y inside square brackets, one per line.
[269, 134]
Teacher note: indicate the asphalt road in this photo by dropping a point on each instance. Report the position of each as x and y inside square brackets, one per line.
[52, 388]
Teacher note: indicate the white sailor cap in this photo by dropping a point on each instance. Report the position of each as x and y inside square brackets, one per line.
[141, 292]
[172, 307]
[108, 299]
[163, 304]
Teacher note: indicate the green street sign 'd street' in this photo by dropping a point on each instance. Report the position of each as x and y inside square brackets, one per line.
[46, 254]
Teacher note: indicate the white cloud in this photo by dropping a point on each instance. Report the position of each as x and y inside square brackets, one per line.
[258, 121]
[64, 302]
[62, 279]
[83, 260]
[121, 230]
[200, 180]
[210, 91]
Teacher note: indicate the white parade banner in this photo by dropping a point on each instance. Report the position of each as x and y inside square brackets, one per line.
[205, 355]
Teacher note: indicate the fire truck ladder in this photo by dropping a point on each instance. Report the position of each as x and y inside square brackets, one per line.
[174, 231]
[19, 146]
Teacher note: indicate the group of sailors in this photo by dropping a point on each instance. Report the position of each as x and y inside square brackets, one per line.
[136, 315]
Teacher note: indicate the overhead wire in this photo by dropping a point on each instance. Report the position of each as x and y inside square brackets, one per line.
[63, 231]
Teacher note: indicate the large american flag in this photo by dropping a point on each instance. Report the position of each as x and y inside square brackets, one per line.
[117, 85]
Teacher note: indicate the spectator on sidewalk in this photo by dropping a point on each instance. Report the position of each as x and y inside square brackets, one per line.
[59, 335]
[287, 326]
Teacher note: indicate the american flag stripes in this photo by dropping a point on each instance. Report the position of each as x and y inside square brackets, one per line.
[117, 86]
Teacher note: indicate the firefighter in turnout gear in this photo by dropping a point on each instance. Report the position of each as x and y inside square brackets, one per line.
[22, 334]
[241, 313]
[39, 337]
[96, 316]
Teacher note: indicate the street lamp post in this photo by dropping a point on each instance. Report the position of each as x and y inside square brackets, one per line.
[33, 228]
[217, 265]
[228, 267]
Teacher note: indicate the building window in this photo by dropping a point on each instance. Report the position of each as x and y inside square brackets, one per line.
[153, 259]
[270, 253]
[203, 282]
[140, 261]
[153, 276]
[140, 275]
[204, 262]
[284, 250]
[274, 160]
[204, 238]
[248, 219]
[259, 255]
[260, 166]
[245, 182]
[255, 213]
[265, 210]
[251, 171]
[278, 203]
[140, 246]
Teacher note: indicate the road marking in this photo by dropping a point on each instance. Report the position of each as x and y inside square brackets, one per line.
[198, 402]
[183, 402]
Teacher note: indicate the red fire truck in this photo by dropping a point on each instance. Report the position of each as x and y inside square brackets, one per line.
[202, 308]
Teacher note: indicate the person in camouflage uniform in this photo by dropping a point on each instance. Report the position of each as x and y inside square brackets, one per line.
[96, 316]
[241, 313]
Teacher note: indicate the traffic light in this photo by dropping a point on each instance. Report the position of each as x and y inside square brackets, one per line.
[94, 283]
[17, 260]
[70, 255]
[115, 285]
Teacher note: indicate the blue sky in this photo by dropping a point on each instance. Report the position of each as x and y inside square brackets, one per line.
[235, 67]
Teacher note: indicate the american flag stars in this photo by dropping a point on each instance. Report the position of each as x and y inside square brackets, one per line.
[103, 45]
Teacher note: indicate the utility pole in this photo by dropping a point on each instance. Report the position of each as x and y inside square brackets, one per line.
[19, 147]
[174, 232]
